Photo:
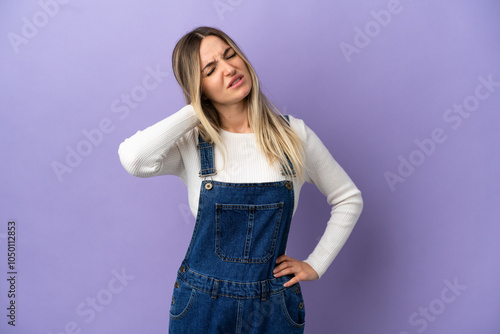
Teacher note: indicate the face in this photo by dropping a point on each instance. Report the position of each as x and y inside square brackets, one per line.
[225, 79]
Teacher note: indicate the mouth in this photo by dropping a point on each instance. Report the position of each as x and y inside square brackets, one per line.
[234, 81]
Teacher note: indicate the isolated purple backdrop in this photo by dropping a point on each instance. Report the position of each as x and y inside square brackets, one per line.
[372, 86]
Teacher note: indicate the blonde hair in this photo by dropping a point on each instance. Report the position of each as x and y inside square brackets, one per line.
[273, 135]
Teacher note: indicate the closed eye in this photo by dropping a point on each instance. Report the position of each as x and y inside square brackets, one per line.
[213, 68]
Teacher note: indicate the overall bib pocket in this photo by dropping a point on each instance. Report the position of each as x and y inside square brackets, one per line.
[182, 299]
[247, 233]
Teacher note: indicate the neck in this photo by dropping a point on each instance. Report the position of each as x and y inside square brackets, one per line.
[234, 118]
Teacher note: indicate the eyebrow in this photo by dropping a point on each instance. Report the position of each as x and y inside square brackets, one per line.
[214, 61]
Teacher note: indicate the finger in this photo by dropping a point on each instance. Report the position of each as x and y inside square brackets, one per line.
[284, 264]
[287, 271]
[282, 258]
[291, 282]
[281, 270]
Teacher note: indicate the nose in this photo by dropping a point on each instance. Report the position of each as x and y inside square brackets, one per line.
[227, 68]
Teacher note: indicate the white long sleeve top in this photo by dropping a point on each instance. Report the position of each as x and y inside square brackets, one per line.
[169, 148]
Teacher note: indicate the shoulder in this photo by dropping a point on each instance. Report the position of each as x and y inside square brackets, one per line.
[299, 126]
[313, 143]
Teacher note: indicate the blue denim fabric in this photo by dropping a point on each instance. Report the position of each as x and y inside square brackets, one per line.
[225, 283]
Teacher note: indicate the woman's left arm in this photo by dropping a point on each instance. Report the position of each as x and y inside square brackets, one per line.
[342, 195]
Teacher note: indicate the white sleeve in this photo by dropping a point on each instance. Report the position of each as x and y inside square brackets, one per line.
[341, 193]
[154, 150]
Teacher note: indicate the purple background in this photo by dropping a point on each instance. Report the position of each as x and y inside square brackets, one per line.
[439, 225]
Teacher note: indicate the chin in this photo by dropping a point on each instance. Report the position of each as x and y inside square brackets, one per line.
[249, 90]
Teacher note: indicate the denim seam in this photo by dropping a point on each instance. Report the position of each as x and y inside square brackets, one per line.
[218, 250]
[250, 185]
[284, 309]
[239, 314]
[188, 306]
[198, 217]
[233, 296]
[257, 283]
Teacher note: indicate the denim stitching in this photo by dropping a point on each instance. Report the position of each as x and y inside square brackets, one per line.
[186, 309]
[198, 218]
[246, 256]
[284, 309]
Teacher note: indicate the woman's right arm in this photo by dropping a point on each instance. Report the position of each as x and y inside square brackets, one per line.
[154, 150]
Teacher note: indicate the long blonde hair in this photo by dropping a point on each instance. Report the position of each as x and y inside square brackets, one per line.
[274, 137]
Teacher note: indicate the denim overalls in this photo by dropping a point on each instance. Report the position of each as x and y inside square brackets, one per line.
[225, 283]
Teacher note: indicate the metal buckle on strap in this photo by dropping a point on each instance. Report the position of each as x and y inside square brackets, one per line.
[212, 174]
[285, 174]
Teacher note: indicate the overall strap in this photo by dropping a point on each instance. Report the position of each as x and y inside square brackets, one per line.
[206, 158]
[207, 165]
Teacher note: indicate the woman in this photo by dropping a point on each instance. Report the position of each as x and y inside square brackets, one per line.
[235, 276]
